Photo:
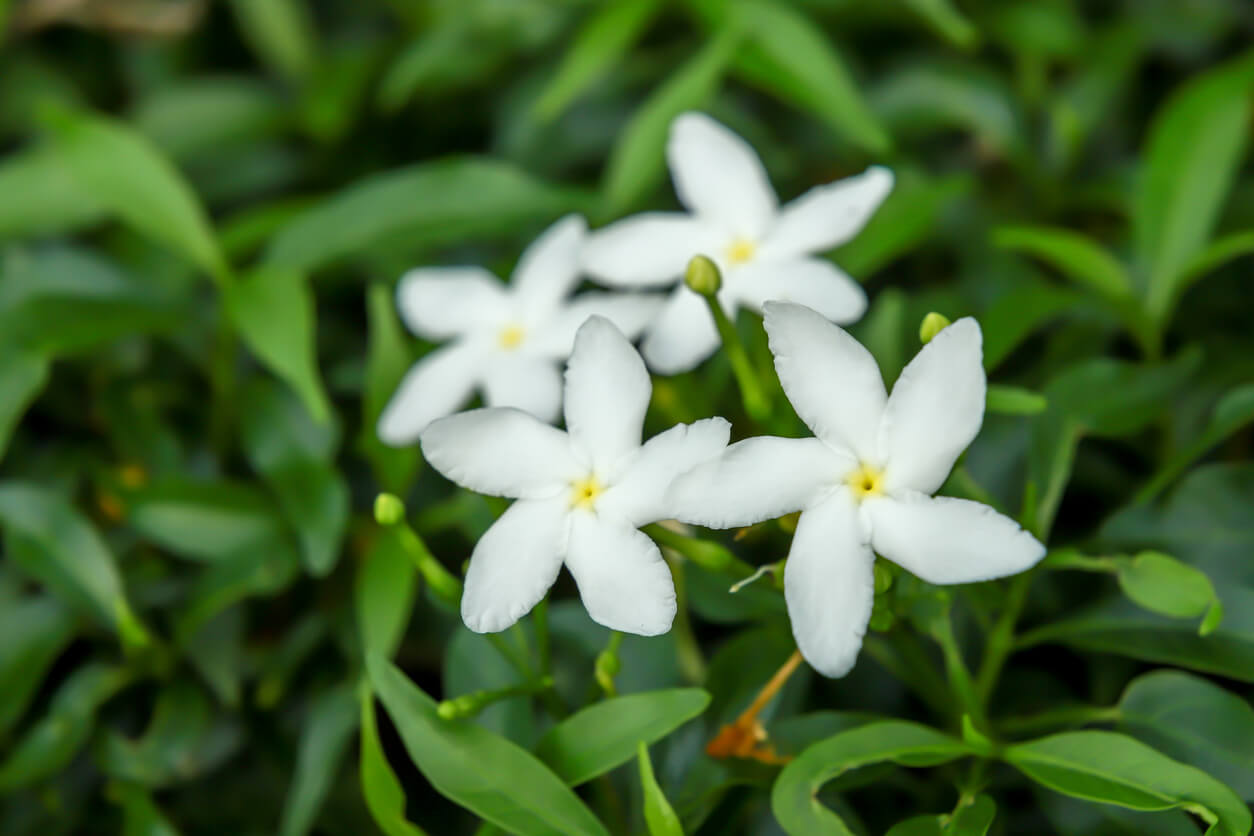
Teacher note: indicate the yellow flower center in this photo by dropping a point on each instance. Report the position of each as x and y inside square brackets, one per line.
[511, 337]
[584, 492]
[866, 481]
[740, 251]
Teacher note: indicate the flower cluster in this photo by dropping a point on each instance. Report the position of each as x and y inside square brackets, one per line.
[864, 483]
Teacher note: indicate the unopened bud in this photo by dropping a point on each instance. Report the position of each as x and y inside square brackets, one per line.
[703, 276]
[388, 509]
[932, 325]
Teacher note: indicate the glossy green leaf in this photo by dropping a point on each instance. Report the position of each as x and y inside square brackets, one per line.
[1078, 257]
[273, 308]
[488, 775]
[384, 592]
[659, 816]
[23, 375]
[1160, 583]
[128, 175]
[280, 32]
[604, 735]
[1194, 148]
[38, 630]
[1112, 768]
[329, 724]
[388, 359]
[208, 521]
[794, 797]
[39, 196]
[141, 816]
[438, 201]
[385, 798]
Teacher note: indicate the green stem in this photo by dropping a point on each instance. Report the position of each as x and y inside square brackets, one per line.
[956, 671]
[541, 616]
[901, 655]
[607, 664]
[691, 660]
[756, 403]
[1065, 717]
[1001, 640]
[705, 553]
[468, 705]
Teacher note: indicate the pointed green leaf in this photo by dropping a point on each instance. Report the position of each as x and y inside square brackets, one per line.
[39, 628]
[385, 798]
[329, 724]
[659, 816]
[280, 32]
[201, 520]
[39, 196]
[23, 375]
[1078, 257]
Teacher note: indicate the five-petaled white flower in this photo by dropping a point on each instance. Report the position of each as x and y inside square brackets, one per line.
[865, 482]
[581, 494]
[509, 341]
[764, 251]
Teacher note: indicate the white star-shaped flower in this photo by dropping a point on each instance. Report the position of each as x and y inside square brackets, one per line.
[764, 251]
[581, 494]
[865, 481]
[507, 341]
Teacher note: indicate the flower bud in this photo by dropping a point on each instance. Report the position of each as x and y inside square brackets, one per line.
[388, 509]
[703, 276]
[932, 325]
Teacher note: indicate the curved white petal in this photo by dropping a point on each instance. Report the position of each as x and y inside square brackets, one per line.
[935, 410]
[827, 216]
[831, 380]
[607, 394]
[641, 493]
[514, 564]
[441, 302]
[548, 269]
[946, 540]
[757, 479]
[524, 381]
[718, 176]
[630, 313]
[682, 336]
[623, 581]
[819, 285]
[829, 585]
[653, 248]
[437, 385]
[501, 452]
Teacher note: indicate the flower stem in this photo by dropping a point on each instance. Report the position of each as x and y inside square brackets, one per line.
[1001, 640]
[956, 670]
[607, 664]
[746, 738]
[468, 705]
[691, 660]
[1065, 717]
[541, 617]
[705, 553]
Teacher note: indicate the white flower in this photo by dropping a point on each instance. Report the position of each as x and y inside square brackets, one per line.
[865, 482]
[764, 251]
[581, 494]
[506, 340]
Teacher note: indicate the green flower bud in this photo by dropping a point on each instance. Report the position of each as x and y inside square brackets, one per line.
[703, 276]
[932, 325]
[388, 509]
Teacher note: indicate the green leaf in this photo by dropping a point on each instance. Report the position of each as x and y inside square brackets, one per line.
[1215, 255]
[330, 722]
[140, 815]
[52, 542]
[1014, 400]
[444, 45]
[38, 630]
[946, 21]
[602, 41]
[23, 375]
[472, 664]
[1076, 256]
[293, 454]
[387, 360]
[1195, 721]
[385, 798]
[1162, 584]
[280, 32]
[197, 520]
[128, 175]
[604, 735]
[1014, 317]
[196, 117]
[659, 816]
[386, 585]
[1112, 768]
[635, 165]
[263, 568]
[273, 308]
[794, 797]
[973, 817]
[795, 59]
[441, 201]
[39, 196]
[487, 774]
[1194, 148]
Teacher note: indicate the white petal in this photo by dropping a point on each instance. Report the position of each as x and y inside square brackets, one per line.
[548, 270]
[935, 410]
[815, 283]
[607, 394]
[831, 380]
[630, 313]
[648, 249]
[623, 580]
[757, 479]
[718, 176]
[682, 336]
[438, 385]
[640, 494]
[829, 585]
[524, 381]
[514, 564]
[827, 216]
[441, 302]
[501, 452]
[946, 540]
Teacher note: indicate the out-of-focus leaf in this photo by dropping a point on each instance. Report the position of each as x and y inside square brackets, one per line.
[439, 201]
[209, 521]
[1013, 400]
[1112, 768]
[38, 196]
[485, 773]
[601, 42]
[795, 59]
[215, 649]
[386, 584]
[387, 360]
[38, 629]
[273, 308]
[1076, 256]
[1016, 315]
[1216, 254]
[23, 375]
[124, 171]
[444, 45]
[947, 21]
[385, 797]
[337, 89]
[1234, 411]
[1084, 100]
[636, 162]
[659, 816]
[604, 735]
[280, 32]
[141, 816]
[794, 798]
[331, 720]
[199, 116]
[52, 542]
[1194, 148]
[259, 569]
[1040, 28]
